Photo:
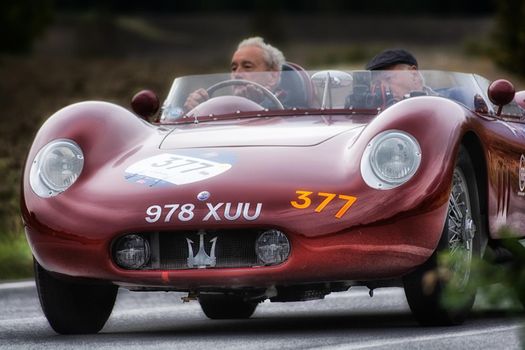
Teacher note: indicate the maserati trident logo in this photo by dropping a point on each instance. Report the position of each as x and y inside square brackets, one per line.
[202, 259]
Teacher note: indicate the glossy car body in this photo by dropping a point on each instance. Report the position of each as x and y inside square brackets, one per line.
[232, 167]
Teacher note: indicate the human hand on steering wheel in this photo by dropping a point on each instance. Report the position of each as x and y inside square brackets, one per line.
[196, 98]
[245, 88]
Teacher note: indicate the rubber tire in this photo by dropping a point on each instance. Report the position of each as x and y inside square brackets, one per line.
[428, 309]
[225, 306]
[73, 308]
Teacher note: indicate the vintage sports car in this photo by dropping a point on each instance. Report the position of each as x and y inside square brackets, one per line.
[255, 195]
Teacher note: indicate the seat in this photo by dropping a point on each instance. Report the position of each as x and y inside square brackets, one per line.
[296, 83]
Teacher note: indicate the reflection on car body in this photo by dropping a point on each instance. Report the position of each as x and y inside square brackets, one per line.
[235, 203]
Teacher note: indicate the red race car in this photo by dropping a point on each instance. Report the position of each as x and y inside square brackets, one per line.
[287, 194]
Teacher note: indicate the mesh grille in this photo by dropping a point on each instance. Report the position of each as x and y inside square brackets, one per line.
[233, 248]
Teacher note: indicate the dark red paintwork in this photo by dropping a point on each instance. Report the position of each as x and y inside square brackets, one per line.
[384, 235]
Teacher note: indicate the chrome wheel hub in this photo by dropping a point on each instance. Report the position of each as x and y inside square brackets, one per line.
[461, 230]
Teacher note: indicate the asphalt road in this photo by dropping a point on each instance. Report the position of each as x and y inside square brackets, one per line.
[350, 320]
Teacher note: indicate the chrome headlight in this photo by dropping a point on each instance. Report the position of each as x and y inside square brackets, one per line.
[390, 159]
[56, 167]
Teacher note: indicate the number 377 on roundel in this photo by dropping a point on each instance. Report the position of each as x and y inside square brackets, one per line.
[304, 200]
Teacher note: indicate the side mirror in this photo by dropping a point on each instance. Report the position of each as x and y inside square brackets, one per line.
[501, 92]
[145, 103]
[520, 98]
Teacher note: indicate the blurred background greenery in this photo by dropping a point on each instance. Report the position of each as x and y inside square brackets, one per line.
[54, 53]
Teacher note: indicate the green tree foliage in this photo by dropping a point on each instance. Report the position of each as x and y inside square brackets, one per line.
[509, 36]
[21, 21]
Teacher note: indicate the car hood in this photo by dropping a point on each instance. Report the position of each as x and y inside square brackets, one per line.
[277, 131]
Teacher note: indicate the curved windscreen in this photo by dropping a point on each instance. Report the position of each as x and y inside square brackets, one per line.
[265, 93]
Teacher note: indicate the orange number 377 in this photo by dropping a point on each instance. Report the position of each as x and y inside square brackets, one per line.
[304, 200]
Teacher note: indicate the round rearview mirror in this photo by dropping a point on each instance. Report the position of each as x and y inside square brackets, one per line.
[501, 92]
[145, 103]
[336, 78]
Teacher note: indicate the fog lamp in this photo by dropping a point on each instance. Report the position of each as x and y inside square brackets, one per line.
[132, 252]
[272, 247]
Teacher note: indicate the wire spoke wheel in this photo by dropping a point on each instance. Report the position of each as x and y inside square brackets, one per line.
[461, 231]
[450, 266]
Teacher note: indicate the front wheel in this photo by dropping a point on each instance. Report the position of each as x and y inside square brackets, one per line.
[73, 308]
[451, 264]
[225, 306]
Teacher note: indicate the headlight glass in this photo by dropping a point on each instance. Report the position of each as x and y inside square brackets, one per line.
[56, 167]
[132, 252]
[390, 160]
[272, 247]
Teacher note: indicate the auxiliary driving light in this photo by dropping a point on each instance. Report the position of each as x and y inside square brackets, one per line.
[272, 247]
[132, 252]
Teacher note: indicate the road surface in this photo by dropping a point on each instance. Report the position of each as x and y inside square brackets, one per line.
[349, 320]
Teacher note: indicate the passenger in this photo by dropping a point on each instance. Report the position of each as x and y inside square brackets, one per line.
[252, 55]
[397, 70]
[393, 59]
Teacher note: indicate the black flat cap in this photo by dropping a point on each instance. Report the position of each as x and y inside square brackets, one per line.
[390, 57]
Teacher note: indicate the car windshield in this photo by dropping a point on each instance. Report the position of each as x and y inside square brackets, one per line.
[261, 93]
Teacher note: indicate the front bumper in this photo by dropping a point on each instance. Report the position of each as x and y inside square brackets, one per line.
[362, 253]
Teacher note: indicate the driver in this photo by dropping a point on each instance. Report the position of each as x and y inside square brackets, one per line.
[253, 55]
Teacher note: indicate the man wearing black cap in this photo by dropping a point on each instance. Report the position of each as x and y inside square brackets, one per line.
[392, 59]
[397, 72]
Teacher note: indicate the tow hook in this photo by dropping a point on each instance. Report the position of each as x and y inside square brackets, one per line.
[191, 297]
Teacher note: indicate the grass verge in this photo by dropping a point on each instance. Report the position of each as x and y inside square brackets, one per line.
[16, 261]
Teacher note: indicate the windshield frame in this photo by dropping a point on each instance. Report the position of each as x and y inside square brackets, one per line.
[173, 113]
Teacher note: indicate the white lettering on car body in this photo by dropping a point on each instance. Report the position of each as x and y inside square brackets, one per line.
[213, 212]
[216, 212]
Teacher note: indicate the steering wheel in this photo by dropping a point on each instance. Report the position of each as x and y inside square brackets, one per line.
[231, 82]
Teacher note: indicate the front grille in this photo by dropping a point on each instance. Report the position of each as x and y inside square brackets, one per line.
[233, 248]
